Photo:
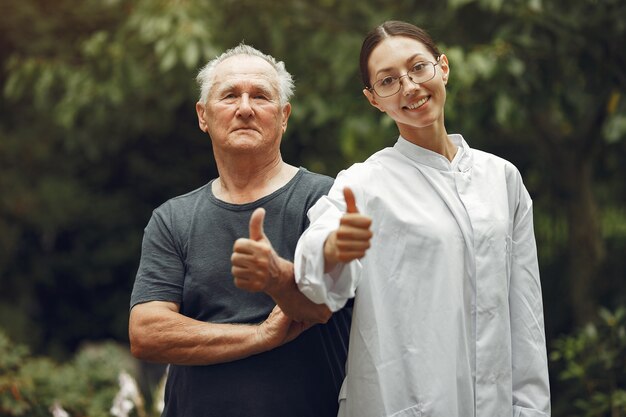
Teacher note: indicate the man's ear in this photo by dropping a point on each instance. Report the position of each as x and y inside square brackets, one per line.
[200, 112]
[372, 99]
[286, 113]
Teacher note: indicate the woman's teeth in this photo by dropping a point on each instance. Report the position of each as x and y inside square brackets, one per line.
[418, 104]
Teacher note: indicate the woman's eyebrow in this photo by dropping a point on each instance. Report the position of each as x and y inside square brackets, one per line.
[409, 59]
[412, 57]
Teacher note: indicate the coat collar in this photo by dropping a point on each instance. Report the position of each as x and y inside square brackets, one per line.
[462, 160]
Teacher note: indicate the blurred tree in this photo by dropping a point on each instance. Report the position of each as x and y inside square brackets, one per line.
[97, 127]
[549, 81]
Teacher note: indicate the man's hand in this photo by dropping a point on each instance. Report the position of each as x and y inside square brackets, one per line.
[279, 329]
[257, 267]
[352, 239]
[255, 264]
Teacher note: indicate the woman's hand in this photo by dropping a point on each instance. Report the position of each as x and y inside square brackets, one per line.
[352, 239]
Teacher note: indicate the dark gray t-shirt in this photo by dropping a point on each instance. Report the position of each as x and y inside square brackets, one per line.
[186, 259]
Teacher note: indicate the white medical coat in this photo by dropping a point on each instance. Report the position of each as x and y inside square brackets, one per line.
[448, 316]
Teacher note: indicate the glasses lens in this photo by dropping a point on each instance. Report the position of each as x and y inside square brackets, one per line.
[387, 86]
[422, 72]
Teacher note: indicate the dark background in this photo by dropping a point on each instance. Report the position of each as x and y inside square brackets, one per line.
[98, 127]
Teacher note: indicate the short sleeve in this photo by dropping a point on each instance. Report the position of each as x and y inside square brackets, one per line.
[161, 271]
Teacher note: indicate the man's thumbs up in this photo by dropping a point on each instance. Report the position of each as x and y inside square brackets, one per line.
[257, 267]
[256, 224]
[254, 261]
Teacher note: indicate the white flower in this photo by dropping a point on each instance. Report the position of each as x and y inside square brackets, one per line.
[127, 397]
[57, 410]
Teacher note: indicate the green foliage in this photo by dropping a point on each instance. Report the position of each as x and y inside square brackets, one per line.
[98, 127]
[11, 359]
[85, 386]
[92, 139]
[592, 361]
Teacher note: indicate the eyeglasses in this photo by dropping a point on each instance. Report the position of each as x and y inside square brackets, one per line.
[420, 73]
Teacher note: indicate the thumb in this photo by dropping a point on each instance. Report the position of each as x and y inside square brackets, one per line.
[350, 201]
[256, 224]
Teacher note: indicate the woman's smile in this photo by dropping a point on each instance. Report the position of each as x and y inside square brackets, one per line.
[418, 103]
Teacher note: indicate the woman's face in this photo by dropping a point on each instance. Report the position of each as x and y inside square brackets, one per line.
[415, 106]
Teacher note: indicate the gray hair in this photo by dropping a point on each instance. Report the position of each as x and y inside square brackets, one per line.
[206, 75]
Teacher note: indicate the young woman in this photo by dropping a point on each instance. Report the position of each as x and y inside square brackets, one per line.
[448, 316]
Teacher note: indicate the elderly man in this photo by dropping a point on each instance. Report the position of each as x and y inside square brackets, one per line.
[232, 352]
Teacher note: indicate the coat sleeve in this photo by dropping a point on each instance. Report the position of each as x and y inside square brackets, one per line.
[531, 390]
[339, 285]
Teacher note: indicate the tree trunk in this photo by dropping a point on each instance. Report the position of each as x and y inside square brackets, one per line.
[585, 245]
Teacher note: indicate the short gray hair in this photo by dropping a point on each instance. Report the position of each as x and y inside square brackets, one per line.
[206, 75]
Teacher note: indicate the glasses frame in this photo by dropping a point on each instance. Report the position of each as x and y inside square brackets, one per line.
[372, 89]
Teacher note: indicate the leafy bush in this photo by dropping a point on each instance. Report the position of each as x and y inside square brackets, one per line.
[592, 365]
[95, 383]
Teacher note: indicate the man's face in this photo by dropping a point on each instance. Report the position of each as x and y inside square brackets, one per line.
[243, 112]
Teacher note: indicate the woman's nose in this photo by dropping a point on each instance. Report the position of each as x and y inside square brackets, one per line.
[407, 85]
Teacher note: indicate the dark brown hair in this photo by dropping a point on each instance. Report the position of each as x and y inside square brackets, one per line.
[388, 29]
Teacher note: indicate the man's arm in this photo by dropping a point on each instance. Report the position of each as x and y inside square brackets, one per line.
[159, 333]
[257, 267]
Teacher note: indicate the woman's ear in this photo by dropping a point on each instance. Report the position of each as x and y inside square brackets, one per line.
[372, 99]
[445, 68]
